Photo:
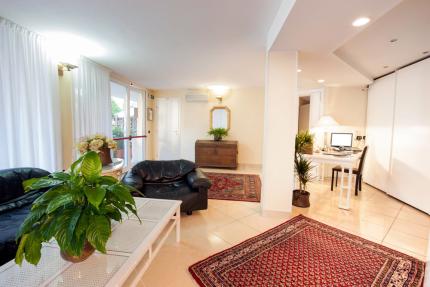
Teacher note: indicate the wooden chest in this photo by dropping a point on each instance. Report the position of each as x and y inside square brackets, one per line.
[221, 154]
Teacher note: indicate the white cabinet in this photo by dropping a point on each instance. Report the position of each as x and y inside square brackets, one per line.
[410, 171]
[398, 135]
[380, 116]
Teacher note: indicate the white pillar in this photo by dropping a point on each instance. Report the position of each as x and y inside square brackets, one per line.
[280, 128]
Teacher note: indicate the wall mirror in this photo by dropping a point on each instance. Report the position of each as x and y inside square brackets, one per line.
[220, 117]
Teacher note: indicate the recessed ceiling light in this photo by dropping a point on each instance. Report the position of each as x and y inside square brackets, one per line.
[321, 81]
[299, 70]
[360, 22]
[394, 40]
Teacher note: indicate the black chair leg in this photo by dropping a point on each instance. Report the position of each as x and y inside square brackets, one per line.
[189, 213]
[357, 180]
[360, 182]
[332, 179]
[337, 175]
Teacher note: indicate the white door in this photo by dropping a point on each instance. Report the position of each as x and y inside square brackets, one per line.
[168, 128]
[410, 177]
[379, 131]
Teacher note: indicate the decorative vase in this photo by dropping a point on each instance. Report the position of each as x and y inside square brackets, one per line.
[86, 252]
[301, 199]
[217, 138]
[104, 154]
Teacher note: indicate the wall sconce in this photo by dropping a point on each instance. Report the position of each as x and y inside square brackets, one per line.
[219, 92]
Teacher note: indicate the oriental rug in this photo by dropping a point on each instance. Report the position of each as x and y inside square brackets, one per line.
[304, 252]
[229, 186]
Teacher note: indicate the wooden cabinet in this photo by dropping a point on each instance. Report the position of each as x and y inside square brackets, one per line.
[221, 154]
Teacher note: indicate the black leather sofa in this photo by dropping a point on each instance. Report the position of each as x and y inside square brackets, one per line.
[14, 206]
[171, 179]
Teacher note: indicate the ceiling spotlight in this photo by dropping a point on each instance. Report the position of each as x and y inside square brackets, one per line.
[321, 81]
[394, 40]
[299, 70]
[360, 22]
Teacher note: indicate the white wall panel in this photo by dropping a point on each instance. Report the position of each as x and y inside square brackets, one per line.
[410, 170]
[380, 113]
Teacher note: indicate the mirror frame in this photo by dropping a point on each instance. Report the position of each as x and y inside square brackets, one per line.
[220, 108]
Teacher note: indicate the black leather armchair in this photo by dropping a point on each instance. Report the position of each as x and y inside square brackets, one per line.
[14, 206]
[171, 179]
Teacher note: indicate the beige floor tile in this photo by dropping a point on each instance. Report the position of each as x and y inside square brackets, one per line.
[235, 232]
[263, 223]
[405, 241]
[405, 251]
[412, 215]
[410, 228]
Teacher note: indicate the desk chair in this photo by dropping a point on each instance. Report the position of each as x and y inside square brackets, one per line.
[357, 171]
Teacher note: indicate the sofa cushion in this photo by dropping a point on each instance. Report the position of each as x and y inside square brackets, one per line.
[11, 181]
[9, 225]
[166, 171]
[177, 190]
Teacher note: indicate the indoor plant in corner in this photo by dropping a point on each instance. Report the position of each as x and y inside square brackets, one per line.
[302, 168]
[218, 133]
[76, 210]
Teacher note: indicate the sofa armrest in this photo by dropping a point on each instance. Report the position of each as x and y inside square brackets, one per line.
[133, 180]
[196, 179]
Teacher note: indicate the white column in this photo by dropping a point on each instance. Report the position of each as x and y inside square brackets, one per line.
[280, 128]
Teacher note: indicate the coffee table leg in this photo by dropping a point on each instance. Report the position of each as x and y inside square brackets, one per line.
[178, 224]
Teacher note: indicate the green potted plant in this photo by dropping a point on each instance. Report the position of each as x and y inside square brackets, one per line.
[218, 133]
[302, 168]
[76, 210]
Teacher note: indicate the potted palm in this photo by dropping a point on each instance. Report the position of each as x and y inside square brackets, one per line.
[302, 168]
[76, 210]
[218, 133]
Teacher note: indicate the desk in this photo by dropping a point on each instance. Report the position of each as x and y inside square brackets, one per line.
[348, 162]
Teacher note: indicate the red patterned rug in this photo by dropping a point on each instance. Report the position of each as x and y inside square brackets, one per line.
[229, 186]
[305, 252]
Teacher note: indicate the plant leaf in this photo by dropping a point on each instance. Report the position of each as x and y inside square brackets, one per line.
[60, 175]
[81, 227]
[98, 232]
[107, 180]
[20, 252]
[73, 222]
[75, 167]
[29, 221]
[60, 200]
[40, 183]
[91, 166]
[123, 193]
[32, 248]
[95, 195]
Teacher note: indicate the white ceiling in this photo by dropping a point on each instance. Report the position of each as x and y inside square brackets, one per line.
[163, 43]
[371, 51]
[317, 28]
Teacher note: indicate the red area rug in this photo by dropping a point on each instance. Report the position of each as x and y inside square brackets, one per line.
[229, 186]
[305, 252]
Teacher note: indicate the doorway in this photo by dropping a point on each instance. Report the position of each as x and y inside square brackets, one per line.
[128, 123]
[168, 128]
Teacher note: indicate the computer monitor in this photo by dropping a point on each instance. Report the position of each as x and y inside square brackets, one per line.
[341, 140]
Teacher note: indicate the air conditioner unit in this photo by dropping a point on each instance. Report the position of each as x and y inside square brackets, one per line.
[197, 98]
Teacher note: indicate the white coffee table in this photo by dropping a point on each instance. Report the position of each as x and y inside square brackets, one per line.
[130, 250]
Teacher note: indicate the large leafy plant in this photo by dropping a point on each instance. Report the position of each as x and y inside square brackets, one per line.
[302, 166]
[77, 207]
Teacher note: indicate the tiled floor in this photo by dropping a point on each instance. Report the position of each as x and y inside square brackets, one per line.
[374, 216]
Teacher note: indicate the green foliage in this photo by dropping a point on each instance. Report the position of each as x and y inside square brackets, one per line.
[117, 132]
[303, 139]
[115, 108]
[218, 133]
[302, 166]
[78, 207]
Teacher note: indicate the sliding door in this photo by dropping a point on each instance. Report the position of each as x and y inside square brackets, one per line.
[168, 128]
[128, 123]
[380, 116]
[410, 172]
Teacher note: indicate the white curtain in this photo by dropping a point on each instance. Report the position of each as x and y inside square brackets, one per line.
[29, 105]
[91, 100]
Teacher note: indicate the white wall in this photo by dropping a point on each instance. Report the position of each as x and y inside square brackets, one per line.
[247, 109]
[348, 106]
